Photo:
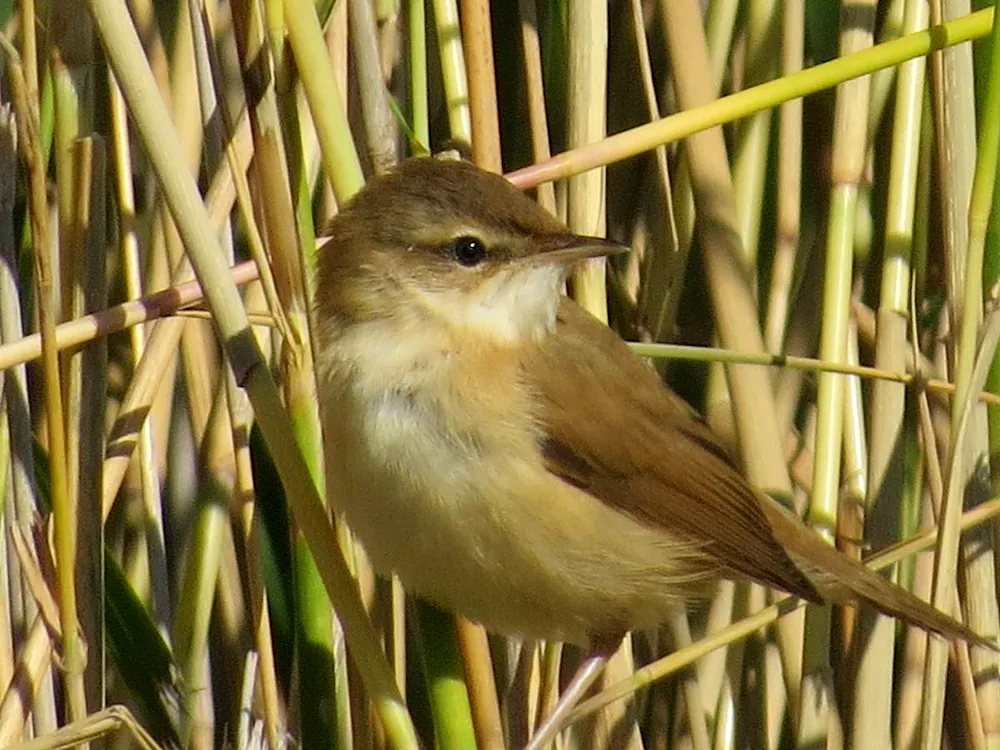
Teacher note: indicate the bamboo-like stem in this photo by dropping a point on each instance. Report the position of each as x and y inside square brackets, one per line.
[661, 305]
[913, 650]
[143, 388]
[38, 583]
[749, 167]
[90, 172]
[521, 691]
[447, 693]
[549, 685]
[949, 528]
[537, 117]
[29, 48]
[664, 266]
[586, 106]
[11, 440]
[680, 634]
[198, 355]
[853, 486]
[871, 725]
[890, 27]
[201, 569]
[958, 158]
[456, 84]
[789, 180]
[244, 512]
[232, 133]
[387, 18]
[964, 454]
[482, 690]
[73, 111]
[69, 126]
[200, 358]
[750, 150]
[417, 27]
[849, 150]
[959, 652]
[21, 494]
[955, 133]
[158, 267]
[974, 737]
[340, 161]
[477, 43]
[380, 125]
[65, 520]
[924, 468]
[720, 27]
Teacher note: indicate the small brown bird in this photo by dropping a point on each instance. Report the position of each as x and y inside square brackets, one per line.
[506, 454]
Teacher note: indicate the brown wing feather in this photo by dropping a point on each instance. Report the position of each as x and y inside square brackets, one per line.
[671, 472]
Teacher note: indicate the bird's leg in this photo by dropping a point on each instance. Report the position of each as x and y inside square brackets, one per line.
[586, 674]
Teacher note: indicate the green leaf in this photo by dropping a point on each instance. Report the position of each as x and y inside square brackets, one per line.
[140, 656]
[275, 554]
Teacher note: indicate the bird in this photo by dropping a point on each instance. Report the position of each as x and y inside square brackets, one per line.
[506, 455]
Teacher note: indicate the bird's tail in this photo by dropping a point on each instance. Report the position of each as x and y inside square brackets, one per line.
[842, 580]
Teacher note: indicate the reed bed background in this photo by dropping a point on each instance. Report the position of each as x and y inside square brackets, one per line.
[167, 564]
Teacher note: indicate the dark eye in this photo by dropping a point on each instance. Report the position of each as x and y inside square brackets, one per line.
[469, 251]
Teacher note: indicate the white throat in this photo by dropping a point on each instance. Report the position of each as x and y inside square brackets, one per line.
[511, 305]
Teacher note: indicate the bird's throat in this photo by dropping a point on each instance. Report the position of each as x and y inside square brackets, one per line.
[512, 305]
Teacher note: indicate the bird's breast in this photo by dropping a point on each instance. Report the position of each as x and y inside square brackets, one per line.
[444, 484]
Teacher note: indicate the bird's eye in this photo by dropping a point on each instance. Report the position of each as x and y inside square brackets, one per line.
[468, 251]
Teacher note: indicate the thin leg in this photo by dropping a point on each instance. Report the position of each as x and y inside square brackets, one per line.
[585, 676]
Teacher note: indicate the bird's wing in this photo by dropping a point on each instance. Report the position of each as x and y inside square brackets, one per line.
[620, 435]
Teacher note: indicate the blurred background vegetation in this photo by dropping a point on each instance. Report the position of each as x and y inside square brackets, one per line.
[163, 548]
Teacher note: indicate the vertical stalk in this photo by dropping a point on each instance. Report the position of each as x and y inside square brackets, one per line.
[965, 450]
[871, 725]
[63, 512]
[456, 83]
[417, 27]
[477, 43]
[585, 123]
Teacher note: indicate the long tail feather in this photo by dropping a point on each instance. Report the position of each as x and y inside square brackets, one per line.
[842, 580]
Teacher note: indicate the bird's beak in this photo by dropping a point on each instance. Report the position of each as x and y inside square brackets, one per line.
[570, 248]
